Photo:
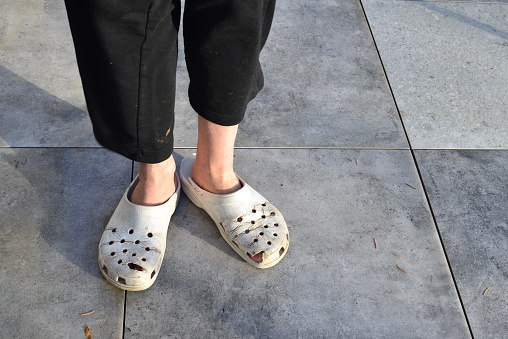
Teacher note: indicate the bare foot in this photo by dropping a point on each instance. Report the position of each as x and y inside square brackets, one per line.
[157, 183]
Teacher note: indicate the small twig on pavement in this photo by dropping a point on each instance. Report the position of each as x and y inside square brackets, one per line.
[400, 268]
[87, 313]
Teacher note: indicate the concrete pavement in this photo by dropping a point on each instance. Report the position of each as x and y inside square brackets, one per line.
[380, 135]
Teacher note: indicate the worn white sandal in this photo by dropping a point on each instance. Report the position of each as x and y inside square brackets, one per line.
[245, 219]
[133, 244]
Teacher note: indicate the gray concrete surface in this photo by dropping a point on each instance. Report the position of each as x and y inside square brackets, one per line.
[447, 66]
[318, 59]
[333, 283]
[41, 100]
[470, 1]
[54, 204]
[469, 190]
[343, 175]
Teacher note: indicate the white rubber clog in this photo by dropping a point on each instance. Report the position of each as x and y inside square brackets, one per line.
[245, 219]
[133, 244]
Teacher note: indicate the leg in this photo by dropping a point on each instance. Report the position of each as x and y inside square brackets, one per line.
[223, 39]
[157, 183]
[213, 168]
[126, 52]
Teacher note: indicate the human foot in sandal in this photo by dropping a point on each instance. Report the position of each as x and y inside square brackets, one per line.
[252, 226]
[132, 246]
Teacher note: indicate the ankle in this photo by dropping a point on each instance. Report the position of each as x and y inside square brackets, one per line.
[157, 173]
[157, 183]
[216, 179]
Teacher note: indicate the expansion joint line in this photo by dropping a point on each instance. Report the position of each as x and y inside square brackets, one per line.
[125, 292]
[419, 173]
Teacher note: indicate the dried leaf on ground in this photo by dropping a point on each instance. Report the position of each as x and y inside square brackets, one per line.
[88, 334]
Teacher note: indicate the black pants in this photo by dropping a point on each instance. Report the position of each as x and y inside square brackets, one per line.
[127, 51]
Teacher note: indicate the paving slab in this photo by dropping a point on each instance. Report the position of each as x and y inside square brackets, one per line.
[325, 85]
[466, 1]
[54, 206]
[41, 100]
[324, 82]
[333, 283]
[447, 65]
[468, 191]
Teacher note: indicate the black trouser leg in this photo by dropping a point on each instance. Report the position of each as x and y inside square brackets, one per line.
[126, 52]
[223, 39]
